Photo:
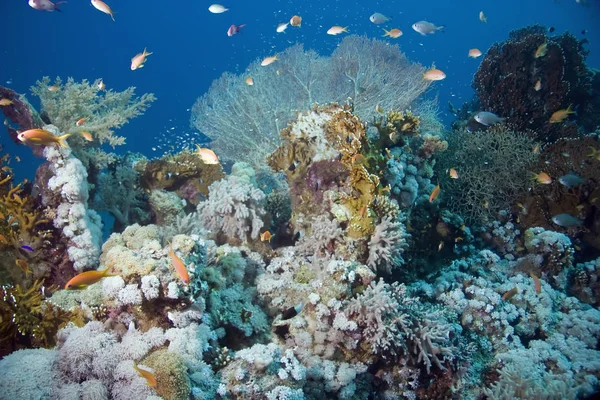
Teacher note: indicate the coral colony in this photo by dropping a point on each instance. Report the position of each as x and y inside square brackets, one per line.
[351, 249]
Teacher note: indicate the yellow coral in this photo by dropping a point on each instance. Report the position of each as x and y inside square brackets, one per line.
[27, 319]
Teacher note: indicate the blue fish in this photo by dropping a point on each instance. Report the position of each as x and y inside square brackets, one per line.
[29, 249]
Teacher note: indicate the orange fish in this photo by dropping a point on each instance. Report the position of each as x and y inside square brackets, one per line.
[139, 60]
[54, 88]
[561, 115]
[508, 295]
[179, 266]
[87, 136]
[474, 53]
[249, 81]
[541, 50]
[393, 33]
[23, 265]
[434, 75]
[363, 211]
[266, 236]
[542, 178]
[207, 155]
[296, 20]
[5, 102]
[102, 6]
[453, 174]
[147, 375]
[80, 122]
[268, 61]
[434, 194]
[538, 86]
[41, 137]
[87, 278]
[536, 283]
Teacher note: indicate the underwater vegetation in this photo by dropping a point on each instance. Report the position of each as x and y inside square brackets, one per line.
[337, 244]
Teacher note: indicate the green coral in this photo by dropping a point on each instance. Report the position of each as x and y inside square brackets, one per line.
[172, 381]
[103, 111]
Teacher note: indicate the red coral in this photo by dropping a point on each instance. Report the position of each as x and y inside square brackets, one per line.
[507, 76]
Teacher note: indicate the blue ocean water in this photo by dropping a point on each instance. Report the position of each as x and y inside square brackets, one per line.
[191, 47]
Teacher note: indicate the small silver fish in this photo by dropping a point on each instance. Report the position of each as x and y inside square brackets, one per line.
[488, 118]
[424, 27]
[566, 220]
[379, 18]
[571, 180]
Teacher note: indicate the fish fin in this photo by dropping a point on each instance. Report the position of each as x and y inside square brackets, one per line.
[440, 28]
[106, 274]
[112, 16]
[140, 66]
[62, 140]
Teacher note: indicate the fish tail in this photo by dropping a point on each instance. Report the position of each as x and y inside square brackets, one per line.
[147, 53]
[387, 33]
[106, 274]
[62, 140]
[345, 29]
[440, 28]
[570, 110]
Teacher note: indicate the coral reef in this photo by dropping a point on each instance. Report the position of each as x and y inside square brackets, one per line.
[244, 121]
[493, 172]
[103, 112]
[505, 81]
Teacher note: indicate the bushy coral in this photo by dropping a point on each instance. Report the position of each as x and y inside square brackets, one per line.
[509, 71]
[386, 246]
[492, 169]
[103, 112]
[234, 208]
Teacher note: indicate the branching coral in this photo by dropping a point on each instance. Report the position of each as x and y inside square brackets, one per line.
[386, 246]
[493, 171]
[103, 112]
[26, 319]
[118, 192]
[234, 208]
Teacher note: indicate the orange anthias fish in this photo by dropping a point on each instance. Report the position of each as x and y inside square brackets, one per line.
[87, 278]
[542, 178]
[537, 284]
[474, 53]
[393, 33]
[5, 102]
[87, 136]
[538, 85]
[268, 61]
[179, 266]
[296, 20]
[249, 81]
[80, 122]
[147, 375]
[508, 295]
[453, 174]
[102, 6]
[24, 265]
[434, 75]
[561, 115]
[207, 155]
[41, 137]
[266, 236]
[434, 194]
[541, 50]
[336, 30]
[139, 60]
